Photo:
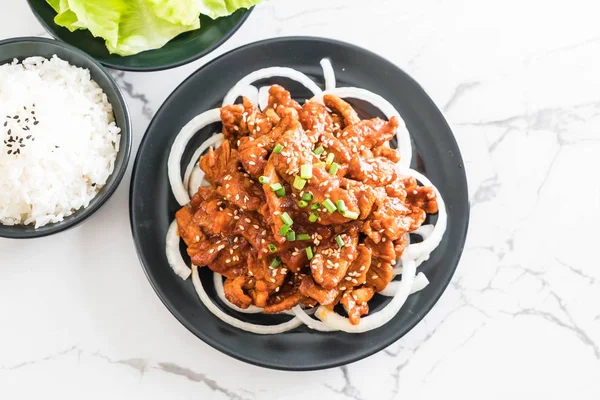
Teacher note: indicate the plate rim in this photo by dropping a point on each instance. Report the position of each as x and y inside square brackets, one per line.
[162, 67]
[353, 357]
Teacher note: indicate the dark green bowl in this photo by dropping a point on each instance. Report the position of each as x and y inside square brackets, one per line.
[185, 48]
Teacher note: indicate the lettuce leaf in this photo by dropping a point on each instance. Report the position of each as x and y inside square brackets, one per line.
[222, 8]
[129, 26]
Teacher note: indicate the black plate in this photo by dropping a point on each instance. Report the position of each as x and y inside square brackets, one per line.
[152, 205]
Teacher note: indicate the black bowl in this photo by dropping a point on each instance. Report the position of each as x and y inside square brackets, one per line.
[185, 48]
[21, 48]
[152, 206]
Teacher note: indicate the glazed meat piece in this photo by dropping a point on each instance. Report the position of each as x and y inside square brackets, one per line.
[342, 108]
[356, 303]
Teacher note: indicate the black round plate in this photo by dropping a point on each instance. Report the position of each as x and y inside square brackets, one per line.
[152, 205]
[185, 48]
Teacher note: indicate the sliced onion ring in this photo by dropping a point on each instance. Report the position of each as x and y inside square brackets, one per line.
[270, 72]
[383, 316]
[263, 97]
[311, 322]
[228, 319]
[404, 144]
[328, 74]
[178, 147]
[419, 284]
[174, 254]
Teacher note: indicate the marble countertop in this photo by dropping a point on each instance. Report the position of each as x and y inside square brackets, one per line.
[519, 82]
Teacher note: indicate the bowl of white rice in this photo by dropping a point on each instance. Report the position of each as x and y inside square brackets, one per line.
[65, 137]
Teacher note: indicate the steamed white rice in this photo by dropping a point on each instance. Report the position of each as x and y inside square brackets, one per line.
[58, 140]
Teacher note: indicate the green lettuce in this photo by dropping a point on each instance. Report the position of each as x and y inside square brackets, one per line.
[222, 8]
[132, 26]
[129, 26]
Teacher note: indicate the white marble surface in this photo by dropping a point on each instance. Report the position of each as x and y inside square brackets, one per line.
[519, 81]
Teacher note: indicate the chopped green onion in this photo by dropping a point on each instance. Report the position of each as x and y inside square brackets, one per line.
[307, 196]
[299, 183]
[341, 206]
[303, 236]
[328, 204]
[277, 149]
[290, 236]
[334, 168]
[264, 179]
[329, 159]
[306, 171]
[313, 217]
[350, 214]
[284, 230]
[272, 248]
[339, 241]
[285, 217]
[275, 186]
[302, 204]
[309, 253]
[315, 206]
[275, 263]
[280, 192]
[319, 150]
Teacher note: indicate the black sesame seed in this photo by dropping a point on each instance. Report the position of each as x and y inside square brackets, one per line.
[58, 147]
[18, 151]
[28, 137]
[9, 131]
[16, 117]
[21, 145]
[93, 184]
[33, 139]
[5, 123]
[36, 122]
[26, 119]
[9, 145]
[21, 140]
[18, 121]
[9, 152]
[33, 112]
[24, 108]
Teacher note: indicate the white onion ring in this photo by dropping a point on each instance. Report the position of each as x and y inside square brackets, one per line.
[178, 147]
[373, 321]
[311, 322]
[218, 281]
[425, 231]
[263, 97]
[174, 254]
[328, 74]
[404, 144]
[419, 284]
[250, 92]
[228, 319]
[270, 72]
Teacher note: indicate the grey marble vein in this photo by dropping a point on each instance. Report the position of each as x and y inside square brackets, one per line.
[198, 377]
[348, 390]
[133, 94]
[459, 92]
